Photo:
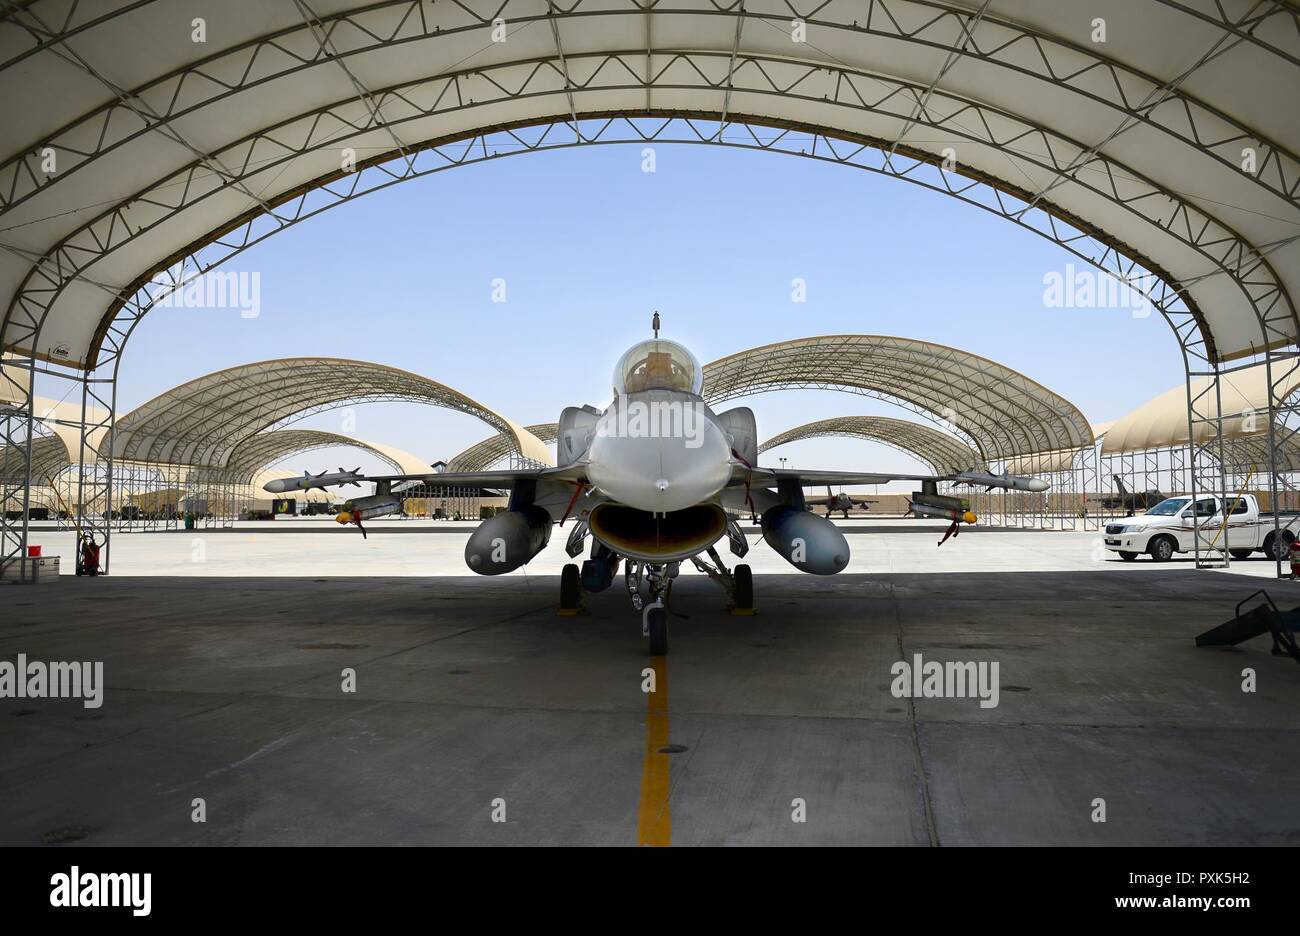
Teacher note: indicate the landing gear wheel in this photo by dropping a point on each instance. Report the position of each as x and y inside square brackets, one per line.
[570, 589]
[1161, 549]
[744, 588]
[1240, 553]
[657, 623]
[1127, 556]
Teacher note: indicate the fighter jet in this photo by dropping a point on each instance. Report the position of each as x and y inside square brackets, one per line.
[840, 502]
[654, 479]
[1132, 501]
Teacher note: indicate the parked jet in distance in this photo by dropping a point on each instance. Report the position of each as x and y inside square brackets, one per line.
[839, 502]
[651, 479]
[1137, 500]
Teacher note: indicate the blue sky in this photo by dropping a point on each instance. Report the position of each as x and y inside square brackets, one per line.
[589, 245]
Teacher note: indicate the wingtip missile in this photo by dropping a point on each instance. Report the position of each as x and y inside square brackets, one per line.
[989, 480]
[308, 481]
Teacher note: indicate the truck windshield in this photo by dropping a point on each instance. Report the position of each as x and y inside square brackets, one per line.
[1167, 508]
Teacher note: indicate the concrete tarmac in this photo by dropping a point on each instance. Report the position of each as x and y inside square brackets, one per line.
[226, 682]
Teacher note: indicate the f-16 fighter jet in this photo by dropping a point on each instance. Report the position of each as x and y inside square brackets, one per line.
[654, 479]
[840, 502]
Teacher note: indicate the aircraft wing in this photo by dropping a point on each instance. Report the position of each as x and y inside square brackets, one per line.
[742, 474]
[505, 478]
[767, 477]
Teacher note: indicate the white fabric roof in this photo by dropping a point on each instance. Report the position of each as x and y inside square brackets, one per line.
[944, 453]
[259, 451]
[1135, 143]
[1162, 422]
[206, 421]
[1000, 410]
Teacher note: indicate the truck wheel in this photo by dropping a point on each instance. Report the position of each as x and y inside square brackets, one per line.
[1240, 553]
[1127, 556]
[1274, 549]
[1162, 548]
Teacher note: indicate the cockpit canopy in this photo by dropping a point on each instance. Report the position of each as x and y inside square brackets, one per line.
[658, 365]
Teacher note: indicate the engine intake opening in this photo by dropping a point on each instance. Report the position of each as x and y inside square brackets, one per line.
[666, 538]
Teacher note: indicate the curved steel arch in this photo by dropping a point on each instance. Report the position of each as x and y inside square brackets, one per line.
[989, 39]
[264, 449]
[49, 457]
[1052, 58]
[1000, 411]
[206, 420]
[123, 224]
[945, 454]
[482, 455]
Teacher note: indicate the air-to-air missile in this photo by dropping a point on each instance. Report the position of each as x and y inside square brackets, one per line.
[309, 481]
[1009, 481]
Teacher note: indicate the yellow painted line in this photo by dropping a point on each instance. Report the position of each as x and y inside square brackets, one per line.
[654, 822]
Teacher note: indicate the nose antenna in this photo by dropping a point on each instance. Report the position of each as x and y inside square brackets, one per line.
[654, 323]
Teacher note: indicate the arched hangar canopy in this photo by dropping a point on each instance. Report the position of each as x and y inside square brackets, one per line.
[49, 457]
[1162, 422]
[944, 453]
[266, 448]
[482, 455]
[205, 421]
[1147, 137]
[1003, 412]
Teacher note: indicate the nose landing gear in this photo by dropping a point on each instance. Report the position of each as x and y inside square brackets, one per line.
[654, 615]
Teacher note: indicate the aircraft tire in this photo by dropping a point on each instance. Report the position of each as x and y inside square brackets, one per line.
[657, 622]
[744, 587]
[570, 587]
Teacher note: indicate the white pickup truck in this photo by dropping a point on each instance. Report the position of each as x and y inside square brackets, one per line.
[1170, 526]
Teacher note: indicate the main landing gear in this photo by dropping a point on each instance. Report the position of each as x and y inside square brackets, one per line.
[649, 586]
[738, 583]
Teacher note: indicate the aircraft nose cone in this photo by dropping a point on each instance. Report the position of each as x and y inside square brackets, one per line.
[660, 473]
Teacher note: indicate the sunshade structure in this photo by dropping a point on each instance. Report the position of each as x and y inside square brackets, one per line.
[208, 421]
[49, 457]
[1000, 411]
[1162, 422]
[484, 454]
[1156, 140]
[1127, 126]
[259, 451]
[944, 453]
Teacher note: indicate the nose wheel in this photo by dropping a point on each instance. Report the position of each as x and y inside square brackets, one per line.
[656, 621]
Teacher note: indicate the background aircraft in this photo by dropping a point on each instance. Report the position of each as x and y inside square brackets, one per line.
[839, 502]
[1132, 501]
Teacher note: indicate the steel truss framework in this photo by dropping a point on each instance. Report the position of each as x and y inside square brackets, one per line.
[260, 451]
[1010, 48]
[483, 455]
[998, 411]
[944, 454]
